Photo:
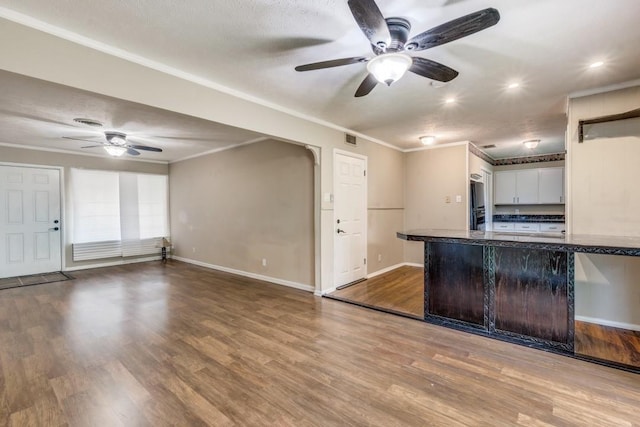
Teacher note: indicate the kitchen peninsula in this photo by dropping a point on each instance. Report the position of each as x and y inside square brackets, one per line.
[513, 286]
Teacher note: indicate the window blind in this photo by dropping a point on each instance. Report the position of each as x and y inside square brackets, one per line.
[117, 213]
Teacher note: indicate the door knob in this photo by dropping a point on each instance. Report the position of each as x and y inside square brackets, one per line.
[341, 231]
[54, 229]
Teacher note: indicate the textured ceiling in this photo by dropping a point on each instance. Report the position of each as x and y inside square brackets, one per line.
[252, 46]
[39, 114]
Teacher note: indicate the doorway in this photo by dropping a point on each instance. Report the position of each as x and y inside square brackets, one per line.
[350, 217]
[30, 221]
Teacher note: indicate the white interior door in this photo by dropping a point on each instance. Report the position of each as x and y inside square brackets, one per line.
[30, 219]
[350, 218]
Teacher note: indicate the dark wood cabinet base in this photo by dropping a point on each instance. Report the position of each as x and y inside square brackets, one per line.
[522, 295]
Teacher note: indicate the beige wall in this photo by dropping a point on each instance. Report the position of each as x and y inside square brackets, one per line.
[604, 199]
[68, 161]
[235, 208]
[47, 57]
[432, 176]
[385, 207]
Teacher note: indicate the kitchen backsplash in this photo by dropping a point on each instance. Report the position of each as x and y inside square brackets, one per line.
[529, 210]
[529, 218]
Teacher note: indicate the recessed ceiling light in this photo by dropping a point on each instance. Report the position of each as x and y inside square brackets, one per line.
[596, 64]
[427, 140]
[450, 100]
[532, 143]
[514, 85]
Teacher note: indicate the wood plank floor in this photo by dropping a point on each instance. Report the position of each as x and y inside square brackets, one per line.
[401, 290]
[608, 343]
[155, 345]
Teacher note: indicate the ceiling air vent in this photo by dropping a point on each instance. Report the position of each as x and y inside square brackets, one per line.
[350, 139]
[88, 122]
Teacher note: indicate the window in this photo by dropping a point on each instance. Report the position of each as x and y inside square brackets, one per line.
[117, 213]
[96, 206]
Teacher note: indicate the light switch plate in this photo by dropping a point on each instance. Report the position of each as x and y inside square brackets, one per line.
[458, 199]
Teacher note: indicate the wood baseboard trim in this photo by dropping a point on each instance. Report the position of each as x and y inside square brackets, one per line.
[256, 276]
[605, 322]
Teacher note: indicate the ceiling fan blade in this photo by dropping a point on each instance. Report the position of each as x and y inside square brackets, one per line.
[453, 30]
[366, 86]
[371, 22]
[331, 63]
[145, 147]
[92, 146]
[132, 152]
[80, 139]
[432, 70]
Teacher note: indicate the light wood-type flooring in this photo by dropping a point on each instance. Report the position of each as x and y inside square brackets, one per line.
[608, 343]
[154, 345]
[400, 290]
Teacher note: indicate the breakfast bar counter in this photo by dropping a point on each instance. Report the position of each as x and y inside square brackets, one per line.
[512, 286]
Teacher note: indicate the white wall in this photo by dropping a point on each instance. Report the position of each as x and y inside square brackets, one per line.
[603, 198]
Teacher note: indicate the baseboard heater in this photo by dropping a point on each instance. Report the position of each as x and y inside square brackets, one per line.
[115, 249]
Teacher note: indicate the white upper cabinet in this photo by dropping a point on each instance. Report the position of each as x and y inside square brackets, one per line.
[551, 187]
[516, 187]
[529, 186]
[504, 187]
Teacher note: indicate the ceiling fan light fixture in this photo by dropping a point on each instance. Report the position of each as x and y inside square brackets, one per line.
[532, 143]
[389, 67]
[116, 138]
[427, 140]
[115, 150]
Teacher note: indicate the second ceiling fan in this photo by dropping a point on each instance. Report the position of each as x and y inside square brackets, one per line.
[390, 43]
[116, 144]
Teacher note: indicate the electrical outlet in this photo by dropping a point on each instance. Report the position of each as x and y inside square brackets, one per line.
[193, 250]
[379, 257]
[264, 262]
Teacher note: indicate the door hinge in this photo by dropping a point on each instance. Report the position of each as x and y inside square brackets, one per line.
[365, 261]
[365, 173]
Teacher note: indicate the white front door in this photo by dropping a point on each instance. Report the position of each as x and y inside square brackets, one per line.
[350, 217]
[29, 220]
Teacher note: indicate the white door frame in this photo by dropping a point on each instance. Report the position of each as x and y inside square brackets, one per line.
[488, 198]
[63, 222]
[337, 152]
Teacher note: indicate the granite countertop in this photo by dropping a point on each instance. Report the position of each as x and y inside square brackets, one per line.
[611, 245]
[528, 218]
